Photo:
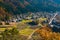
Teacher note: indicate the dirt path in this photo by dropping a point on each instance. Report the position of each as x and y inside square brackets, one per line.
[32, 34]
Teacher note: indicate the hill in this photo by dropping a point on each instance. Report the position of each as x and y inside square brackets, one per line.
[24, 6]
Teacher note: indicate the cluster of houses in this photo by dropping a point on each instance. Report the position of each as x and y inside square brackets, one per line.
[30, 16]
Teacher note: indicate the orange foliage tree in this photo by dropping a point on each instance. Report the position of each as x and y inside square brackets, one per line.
[46, 33]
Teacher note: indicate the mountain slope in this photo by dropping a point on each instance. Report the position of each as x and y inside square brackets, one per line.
[24, 6]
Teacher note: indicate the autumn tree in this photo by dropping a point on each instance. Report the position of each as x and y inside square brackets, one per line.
[46, 33]
[4, 16]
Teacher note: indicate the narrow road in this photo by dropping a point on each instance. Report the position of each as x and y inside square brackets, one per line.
[29, 37]
[53, 18]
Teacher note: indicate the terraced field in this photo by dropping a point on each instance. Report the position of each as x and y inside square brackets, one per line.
[26, 32]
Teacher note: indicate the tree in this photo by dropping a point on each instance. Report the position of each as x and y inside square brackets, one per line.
[7, 18]
[12, 34]
[4, 15]
[46, 33]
